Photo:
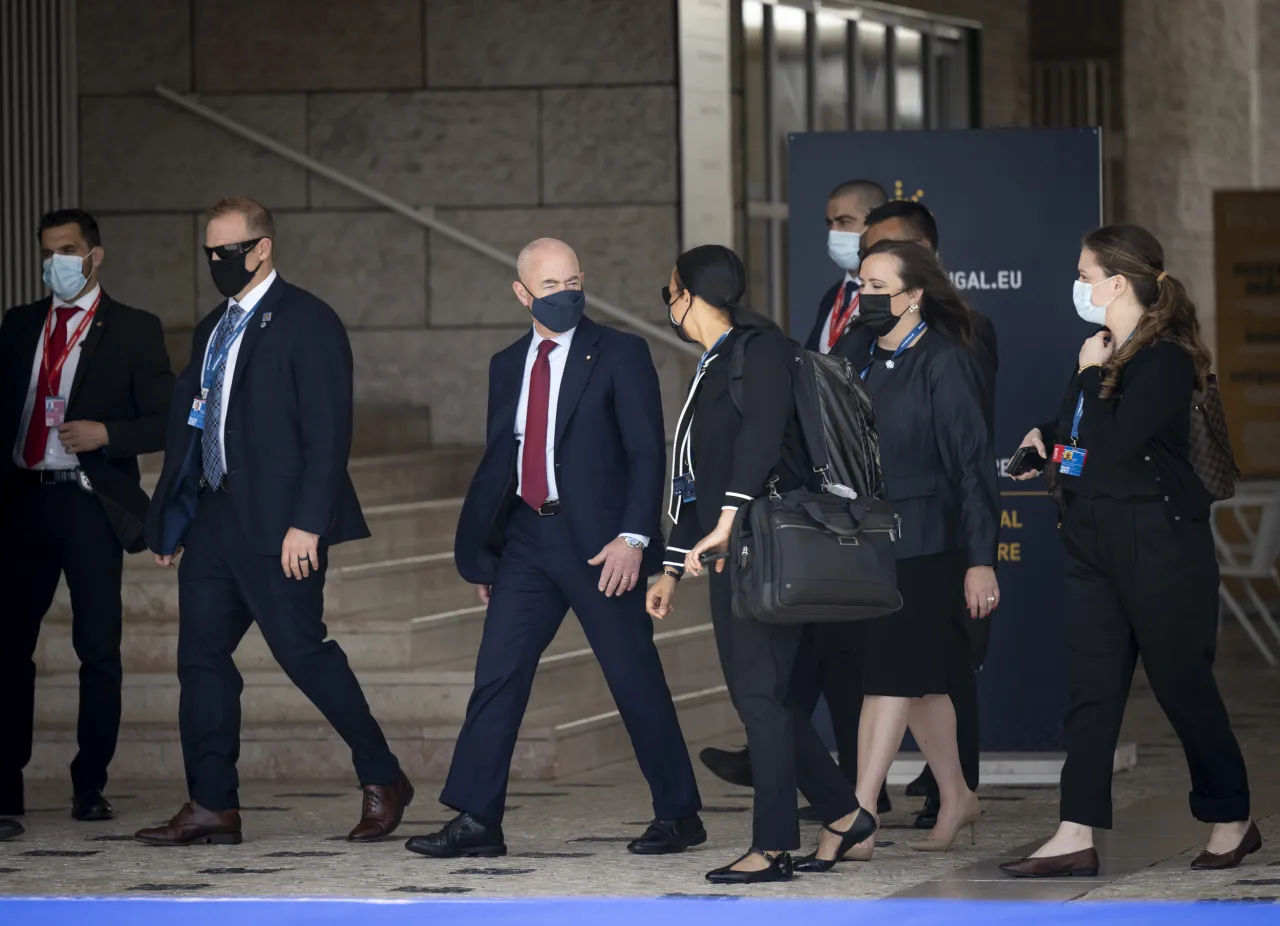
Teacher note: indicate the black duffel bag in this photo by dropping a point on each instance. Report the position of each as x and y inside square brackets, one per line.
[825, 554]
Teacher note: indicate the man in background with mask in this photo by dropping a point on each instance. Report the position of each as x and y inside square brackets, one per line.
[255, 487]
[564, 512]
[86, 383]
[847, 209]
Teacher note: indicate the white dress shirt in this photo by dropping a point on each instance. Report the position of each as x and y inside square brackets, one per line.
[248, 303]
[557, 359]
[826, 326]
[55, 455]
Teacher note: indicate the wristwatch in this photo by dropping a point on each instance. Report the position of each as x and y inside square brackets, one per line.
[633, 542]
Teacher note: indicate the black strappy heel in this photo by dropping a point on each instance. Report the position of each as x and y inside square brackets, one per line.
[863, 827]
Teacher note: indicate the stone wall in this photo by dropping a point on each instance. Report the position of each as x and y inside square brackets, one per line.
[512, 119]
[1194, 70]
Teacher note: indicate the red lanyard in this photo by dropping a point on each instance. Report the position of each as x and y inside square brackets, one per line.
[840, 317]
[54, 371]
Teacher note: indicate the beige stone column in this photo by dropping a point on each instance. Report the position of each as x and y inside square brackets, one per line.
[1202, 113]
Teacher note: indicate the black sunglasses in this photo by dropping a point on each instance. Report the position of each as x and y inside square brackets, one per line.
[228, 251]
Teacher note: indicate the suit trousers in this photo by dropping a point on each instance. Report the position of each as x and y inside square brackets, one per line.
[540, 577]
[763, 668]
[838, 678]
[223, 587]
[1140, 583]
[51, 531]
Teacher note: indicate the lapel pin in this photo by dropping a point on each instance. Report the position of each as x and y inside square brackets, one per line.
[588, 356]
[98, 325]
[266, 317]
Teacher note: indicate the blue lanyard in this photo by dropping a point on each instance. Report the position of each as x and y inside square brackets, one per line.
[703, 362]
[1075, 421]
[910, 339]
[212, 360]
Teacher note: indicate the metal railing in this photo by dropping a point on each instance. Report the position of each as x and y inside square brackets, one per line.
[423, 217]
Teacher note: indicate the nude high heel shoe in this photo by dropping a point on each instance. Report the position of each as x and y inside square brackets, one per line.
[943, 843]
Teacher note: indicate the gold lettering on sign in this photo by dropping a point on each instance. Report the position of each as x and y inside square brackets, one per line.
[1010, 519]
[1009, 553]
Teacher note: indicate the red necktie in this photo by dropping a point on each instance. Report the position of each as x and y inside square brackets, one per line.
[37, 432]
[533, 468]
[846, 303]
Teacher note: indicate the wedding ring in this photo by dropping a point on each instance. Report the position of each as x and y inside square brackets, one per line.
[991, 598]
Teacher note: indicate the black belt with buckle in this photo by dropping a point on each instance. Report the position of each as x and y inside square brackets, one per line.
[549, 508]
[48, 477]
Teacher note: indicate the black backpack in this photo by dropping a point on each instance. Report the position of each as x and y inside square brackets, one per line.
[809, 555]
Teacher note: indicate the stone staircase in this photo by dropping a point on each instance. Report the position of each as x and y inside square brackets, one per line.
[410, 627]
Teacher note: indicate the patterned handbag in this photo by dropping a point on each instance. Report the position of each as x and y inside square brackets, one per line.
[1211, 455]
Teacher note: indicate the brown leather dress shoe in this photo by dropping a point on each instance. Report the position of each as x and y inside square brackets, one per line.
[1208, 861]
[383, 810]
[194, 825]
[1075, 865]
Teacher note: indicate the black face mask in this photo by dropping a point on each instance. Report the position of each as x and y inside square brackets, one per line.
[559, 312]
[875, 313]
[677, 326]
[230, 275]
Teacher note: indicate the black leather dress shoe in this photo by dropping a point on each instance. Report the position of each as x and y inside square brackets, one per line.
[666, 837]
[10, 828]
[927, 818]
[780, 869]
[463, 836]
[91, 805]
[733, 766]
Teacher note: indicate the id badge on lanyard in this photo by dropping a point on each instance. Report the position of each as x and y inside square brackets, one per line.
[196, 417]
[1070, 458]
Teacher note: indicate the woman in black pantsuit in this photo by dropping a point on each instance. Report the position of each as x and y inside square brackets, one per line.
[912, 346]
[1142, 575]
[724, 458]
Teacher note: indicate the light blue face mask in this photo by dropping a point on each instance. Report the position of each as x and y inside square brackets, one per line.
[842, 247]
[64, 275]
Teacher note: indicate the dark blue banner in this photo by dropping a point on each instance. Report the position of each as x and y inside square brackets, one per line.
[1012, 206]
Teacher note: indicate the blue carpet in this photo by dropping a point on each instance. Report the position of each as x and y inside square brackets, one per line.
[697, 911]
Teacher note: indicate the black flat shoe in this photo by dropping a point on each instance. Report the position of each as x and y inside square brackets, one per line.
[863, 827]
[731, 766]
[10, 829]
[667, 837]
[91, 805]
[463, 836]
[927, 818]
[780, 869]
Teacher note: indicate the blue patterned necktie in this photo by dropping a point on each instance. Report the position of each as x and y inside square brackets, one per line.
[211, 441]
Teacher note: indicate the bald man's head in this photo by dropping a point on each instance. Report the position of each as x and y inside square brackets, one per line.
[546, 266]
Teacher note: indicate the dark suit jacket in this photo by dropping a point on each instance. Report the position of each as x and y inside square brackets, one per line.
[936, 449]
[824, 309]
[609, 451]
[123, 379]
[288, 429]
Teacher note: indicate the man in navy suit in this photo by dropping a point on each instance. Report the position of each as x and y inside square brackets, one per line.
[847, 209]
[255, 487]
[564, 512]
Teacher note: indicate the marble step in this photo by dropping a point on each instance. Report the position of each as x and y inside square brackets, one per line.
[398, 529]
[380, 639]
[439, 472]
[428, 696]
[418, 584]
[553, 742]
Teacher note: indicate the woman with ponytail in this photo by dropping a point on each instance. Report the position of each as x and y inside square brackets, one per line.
[724, 457]
[1142, 574]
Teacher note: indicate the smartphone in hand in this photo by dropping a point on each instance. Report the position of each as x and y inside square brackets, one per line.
[1025, 460]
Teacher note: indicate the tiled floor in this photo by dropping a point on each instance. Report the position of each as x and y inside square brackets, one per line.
[568, 837]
